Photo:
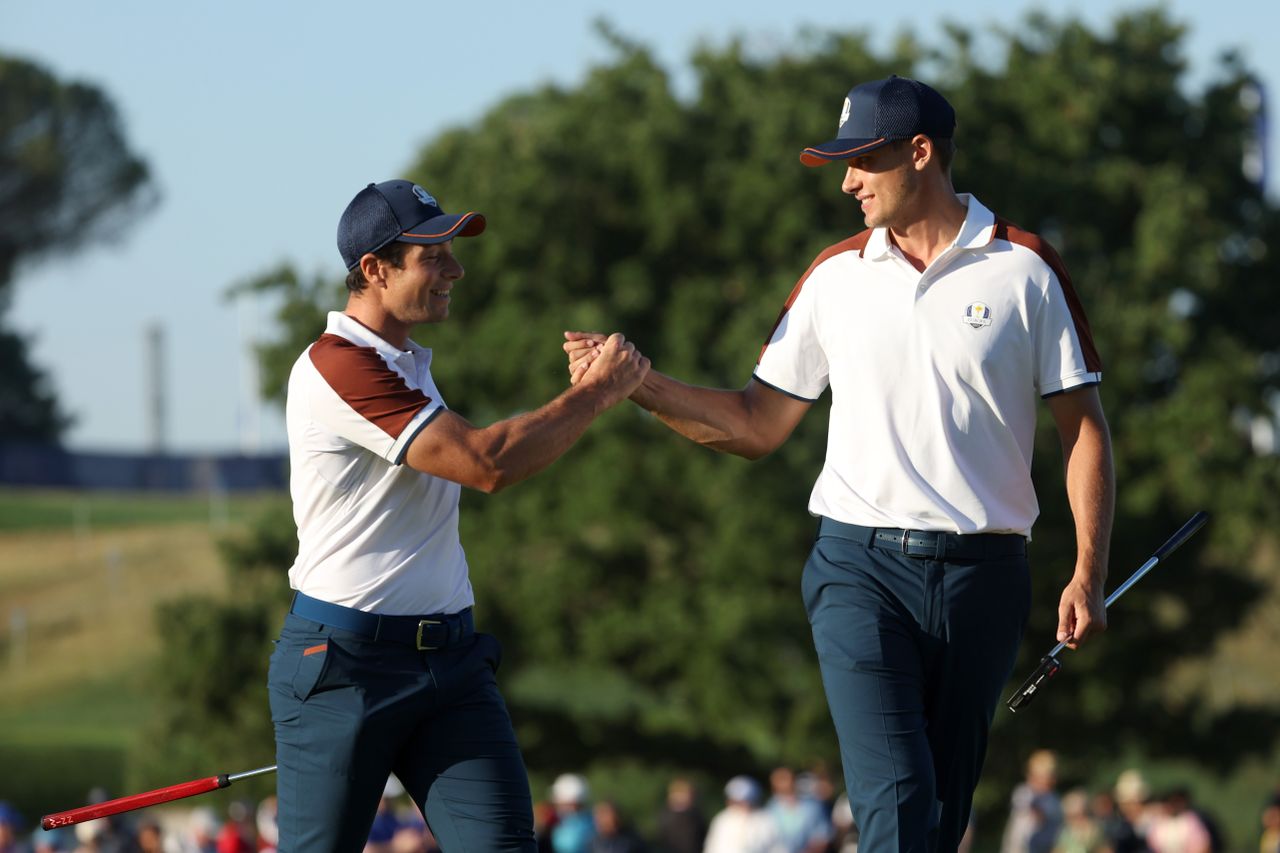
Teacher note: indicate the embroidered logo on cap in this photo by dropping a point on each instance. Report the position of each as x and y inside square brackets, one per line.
[424, 196]
[977, 315]
[844, 113]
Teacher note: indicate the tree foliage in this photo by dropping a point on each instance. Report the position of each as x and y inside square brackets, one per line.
[646, 590]
[67, 179]
[210, 708]
[29, 410]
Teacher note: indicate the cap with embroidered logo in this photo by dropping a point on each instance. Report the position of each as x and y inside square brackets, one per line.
[398, 211]
[880, 112]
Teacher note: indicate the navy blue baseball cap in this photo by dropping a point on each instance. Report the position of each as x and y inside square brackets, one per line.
[398, 210]
[880, 112]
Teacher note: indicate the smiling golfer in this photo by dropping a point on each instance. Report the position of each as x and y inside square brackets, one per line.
[937, 329]
[379, 668]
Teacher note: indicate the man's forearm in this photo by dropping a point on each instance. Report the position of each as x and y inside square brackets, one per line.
[712, 417]
[521, 446]
[1090, 476]
[494, 457]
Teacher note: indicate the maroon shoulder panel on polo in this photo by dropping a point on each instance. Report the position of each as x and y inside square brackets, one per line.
[1006, 230]
[366, 383]
[856, 243]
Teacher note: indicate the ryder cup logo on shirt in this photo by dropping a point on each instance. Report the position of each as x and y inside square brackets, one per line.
[977, 315]
[424, 196]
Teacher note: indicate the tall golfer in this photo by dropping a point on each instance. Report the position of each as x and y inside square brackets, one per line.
[379, 667]
[937, 329]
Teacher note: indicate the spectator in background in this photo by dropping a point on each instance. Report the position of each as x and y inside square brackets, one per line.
[1120, 835]
[1080, 832]
[544, 820]
[681, 825]
[51, 841]
[1177, 828]
[815, 783]
[414, 838]
[405, 824]
[383, 829]
[112, 834]
[385, 822]
[575, 826]
[1270, 840]
[201, 834]
[1132, 794]
[1181, 801]
[150, 835]
[1035, 814]
[10, 825]
[237, 833]
[104, 836]
[845, 835]
[741, 827]
[268, 828]
[801, 823]
[612, 834]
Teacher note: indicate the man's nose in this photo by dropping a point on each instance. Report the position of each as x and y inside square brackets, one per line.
[852, 181]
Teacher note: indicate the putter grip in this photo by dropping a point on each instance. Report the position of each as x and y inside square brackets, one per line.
[134, 801]
[1184, 533]
[1049, 666]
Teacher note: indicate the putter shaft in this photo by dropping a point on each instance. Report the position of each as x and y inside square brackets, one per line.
[1050, 665]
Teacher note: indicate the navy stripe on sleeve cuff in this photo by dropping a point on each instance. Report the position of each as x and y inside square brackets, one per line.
[784, 391]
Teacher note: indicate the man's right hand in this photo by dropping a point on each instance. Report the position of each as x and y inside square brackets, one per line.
[749, 423]
[614, 368]
[582, 349]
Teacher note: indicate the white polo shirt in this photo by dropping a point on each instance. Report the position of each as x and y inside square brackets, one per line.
[934, 376]
[373, 533]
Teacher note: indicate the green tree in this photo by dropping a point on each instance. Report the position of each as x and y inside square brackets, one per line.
[646, 590]
[210, 710]
[29, 410]
[67, 179]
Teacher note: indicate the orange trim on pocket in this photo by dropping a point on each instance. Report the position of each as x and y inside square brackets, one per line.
[323, 647]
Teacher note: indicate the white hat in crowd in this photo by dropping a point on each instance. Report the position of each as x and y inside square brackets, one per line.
[569, 788]
[742, 789]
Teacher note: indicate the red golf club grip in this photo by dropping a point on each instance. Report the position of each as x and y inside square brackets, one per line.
[135, 801]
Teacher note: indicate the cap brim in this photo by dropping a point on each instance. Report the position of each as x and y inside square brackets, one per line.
[840, 149]
[440, 229]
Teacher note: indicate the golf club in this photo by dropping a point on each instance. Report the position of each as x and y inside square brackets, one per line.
[1050, 665]
[148, 798]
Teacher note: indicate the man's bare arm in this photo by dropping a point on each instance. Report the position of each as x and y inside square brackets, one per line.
[751, 422]
[1090, 474]
[493, 457]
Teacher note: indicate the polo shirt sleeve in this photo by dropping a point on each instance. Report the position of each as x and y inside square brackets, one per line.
[361, 399]
[793, 359]
[1065, 355]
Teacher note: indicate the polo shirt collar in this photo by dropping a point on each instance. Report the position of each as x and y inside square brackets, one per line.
[979, 224]
[975, 232]
[345, 326]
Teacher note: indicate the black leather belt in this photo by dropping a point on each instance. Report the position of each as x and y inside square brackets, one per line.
[426, 633]
[929, 544]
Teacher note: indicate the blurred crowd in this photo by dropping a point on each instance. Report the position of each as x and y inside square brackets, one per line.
[796, 812]
[1128, 817]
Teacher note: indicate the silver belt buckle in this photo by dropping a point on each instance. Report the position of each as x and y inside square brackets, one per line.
[421, 624]
[902, 546]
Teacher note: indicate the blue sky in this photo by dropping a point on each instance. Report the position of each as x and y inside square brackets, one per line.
[261, 118]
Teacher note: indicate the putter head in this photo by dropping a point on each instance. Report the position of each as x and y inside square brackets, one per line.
[1049, 666]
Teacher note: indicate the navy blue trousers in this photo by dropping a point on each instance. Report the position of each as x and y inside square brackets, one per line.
[914, 654]
[349, 710]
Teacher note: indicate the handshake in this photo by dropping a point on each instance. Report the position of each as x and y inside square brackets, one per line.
[612, 364]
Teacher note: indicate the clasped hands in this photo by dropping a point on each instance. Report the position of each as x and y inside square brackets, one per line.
[612, 362]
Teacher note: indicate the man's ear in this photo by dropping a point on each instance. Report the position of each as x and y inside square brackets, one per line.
[371, 266]
[922, 152]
